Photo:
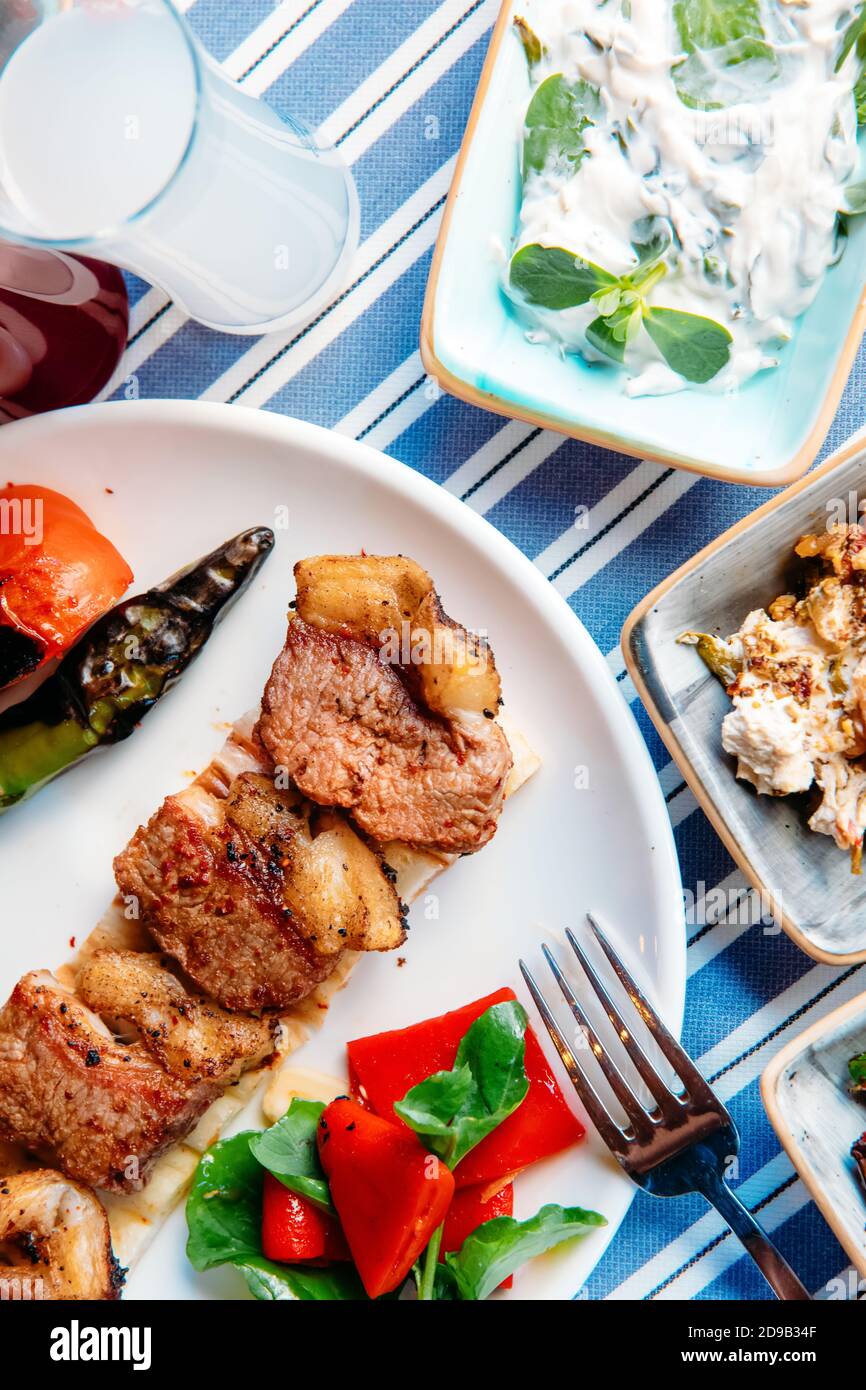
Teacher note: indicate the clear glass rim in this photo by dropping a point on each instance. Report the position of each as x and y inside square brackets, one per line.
[94, 239]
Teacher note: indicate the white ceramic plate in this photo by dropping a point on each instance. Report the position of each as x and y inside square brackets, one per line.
[184, 477]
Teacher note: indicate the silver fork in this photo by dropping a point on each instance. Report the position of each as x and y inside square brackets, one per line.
[686, 1142]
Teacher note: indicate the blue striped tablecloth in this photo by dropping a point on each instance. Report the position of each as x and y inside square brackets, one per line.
[370, 73]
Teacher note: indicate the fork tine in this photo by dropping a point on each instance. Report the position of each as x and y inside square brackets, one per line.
[641, 1122]
[661, 1092]
[604, 1123]
[685, 1068]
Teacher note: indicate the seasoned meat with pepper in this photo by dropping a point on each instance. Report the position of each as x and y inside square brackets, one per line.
[253, 895]
[344, 724]
[99, 1110]
[187, 1034]
[54, 1240]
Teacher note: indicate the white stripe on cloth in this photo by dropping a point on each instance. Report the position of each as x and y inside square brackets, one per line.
[402, 416]
[386, 94]
[255, 67]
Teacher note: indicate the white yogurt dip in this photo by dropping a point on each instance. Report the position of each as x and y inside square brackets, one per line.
[739, 154]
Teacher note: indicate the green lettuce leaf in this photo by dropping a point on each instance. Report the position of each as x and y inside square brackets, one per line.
[289, 1150]
[499, 1247]
[452, 1111]
[224, 1219]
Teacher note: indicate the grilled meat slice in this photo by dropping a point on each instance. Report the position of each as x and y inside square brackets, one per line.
[345, 727]
[187, 1034]
[54, 1238]
[389, 601]
[100, 1111]
[252, 896]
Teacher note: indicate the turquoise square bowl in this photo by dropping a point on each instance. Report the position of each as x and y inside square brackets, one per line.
[767, 433]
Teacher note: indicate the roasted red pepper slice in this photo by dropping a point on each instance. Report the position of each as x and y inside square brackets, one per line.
[384, 1067]
[57, 575]
[295, 1230]
[469, 1210]
[389, 1192]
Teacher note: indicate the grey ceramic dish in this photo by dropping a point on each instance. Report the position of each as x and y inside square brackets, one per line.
[806, 880]
[807, 1096]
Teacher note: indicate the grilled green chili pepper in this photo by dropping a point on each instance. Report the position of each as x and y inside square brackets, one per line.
[714, 654]
[109, 680]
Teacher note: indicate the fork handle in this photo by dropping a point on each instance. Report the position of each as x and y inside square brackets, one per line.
[772, 1264]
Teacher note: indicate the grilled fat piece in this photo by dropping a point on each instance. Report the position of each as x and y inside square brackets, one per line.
[54, 1240]
[382, 704]
[187, 1034]
[256, 894]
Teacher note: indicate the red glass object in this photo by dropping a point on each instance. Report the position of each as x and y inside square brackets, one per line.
[63, 326]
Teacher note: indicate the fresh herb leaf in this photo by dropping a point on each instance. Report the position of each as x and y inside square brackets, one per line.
[558, 114]
[857, 1071]
[224, 1207]
[602, 337]
[452, 1111]
[716, 35]
[224, 1218]
[555, 278]
[695, 347]
[855, 31]
[268, 1281]
[532, 45]
[499, 1247]
[289, 1150]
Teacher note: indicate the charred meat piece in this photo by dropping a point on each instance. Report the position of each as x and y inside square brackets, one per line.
[54, 1240]
[100, 1111]
[343, 723]
[188, 1035]
[254, 897]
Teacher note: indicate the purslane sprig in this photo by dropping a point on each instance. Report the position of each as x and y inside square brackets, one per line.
[550, 277]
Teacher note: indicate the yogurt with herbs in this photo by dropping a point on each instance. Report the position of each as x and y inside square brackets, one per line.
[685, 163]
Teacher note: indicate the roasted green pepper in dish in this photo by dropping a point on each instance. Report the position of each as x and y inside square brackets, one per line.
[110, 679]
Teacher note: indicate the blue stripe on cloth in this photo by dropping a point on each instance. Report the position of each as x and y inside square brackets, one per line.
[432, 129]
[449, 433]
[356, 44]
[551, 500]
[221, 27]
[345, 372]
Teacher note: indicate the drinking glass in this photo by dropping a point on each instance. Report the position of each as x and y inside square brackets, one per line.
[120, 138]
